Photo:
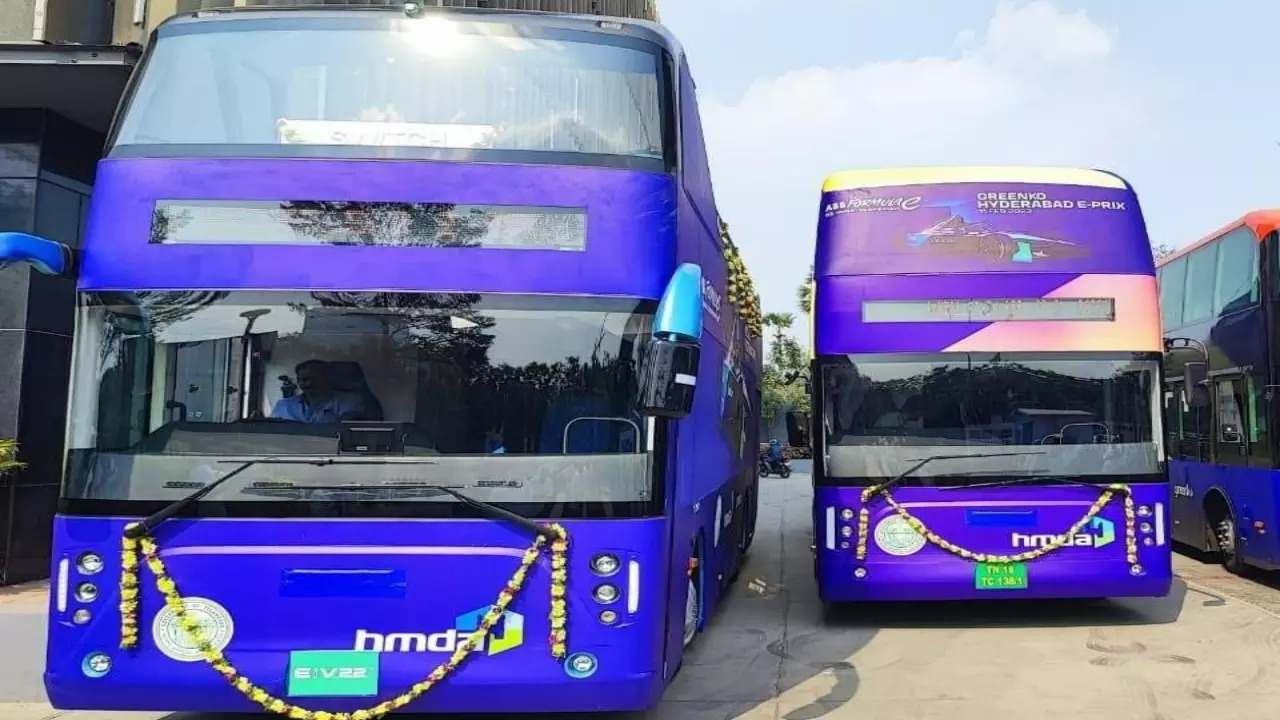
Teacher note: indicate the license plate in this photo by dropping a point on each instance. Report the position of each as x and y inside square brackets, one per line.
[1002, 576]
[333, 673]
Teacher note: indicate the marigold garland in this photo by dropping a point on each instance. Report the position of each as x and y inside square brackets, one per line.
[1131, 539]
[741, 289]
[129, 593]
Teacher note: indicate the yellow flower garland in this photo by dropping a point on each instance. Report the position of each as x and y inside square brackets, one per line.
[741, 289]
[129, 592]
[1130, 534]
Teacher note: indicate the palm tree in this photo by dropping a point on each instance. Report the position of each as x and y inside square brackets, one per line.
[9, 456]
[781, 323]
[804, 294]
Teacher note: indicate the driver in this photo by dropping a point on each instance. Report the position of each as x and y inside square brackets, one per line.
[317, 401]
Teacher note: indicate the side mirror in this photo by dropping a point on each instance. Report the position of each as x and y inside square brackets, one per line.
[46, 256]
[669, 377]
[1195, 378]
[798, 429]
[669, 374]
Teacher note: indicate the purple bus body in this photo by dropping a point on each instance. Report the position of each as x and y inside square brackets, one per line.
[985, 520]
[629, 246]
[894, 243]
[299, 583]
[277, 578]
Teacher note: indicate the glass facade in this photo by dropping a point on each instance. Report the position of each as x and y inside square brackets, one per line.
[46, 176]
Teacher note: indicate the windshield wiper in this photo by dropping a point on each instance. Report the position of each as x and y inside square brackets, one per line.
[490, 509]
[144, 526]
[907, 473]
[1032, 478]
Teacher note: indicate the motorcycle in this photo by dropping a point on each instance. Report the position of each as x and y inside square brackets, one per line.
[782, 468]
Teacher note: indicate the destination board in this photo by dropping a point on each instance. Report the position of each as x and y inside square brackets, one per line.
[989, 310]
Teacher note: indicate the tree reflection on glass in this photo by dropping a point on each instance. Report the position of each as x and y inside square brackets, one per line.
[168, 219]
[394, 224]
[148, 313]
[445, 326]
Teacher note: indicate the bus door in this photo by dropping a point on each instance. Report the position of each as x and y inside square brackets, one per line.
[1183, 448]
[1194, 427]
[1237, 431]
[1230, 439]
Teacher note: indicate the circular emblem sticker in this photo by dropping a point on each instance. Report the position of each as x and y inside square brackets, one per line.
[895, 536]
[174, 642]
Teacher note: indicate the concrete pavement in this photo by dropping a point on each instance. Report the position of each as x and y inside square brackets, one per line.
[1206, 651]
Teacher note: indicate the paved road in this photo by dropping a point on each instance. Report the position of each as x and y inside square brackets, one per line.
[1210, 650]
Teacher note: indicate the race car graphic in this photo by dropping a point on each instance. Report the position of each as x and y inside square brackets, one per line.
[956, 236]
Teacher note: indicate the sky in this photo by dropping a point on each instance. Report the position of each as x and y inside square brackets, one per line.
[1173, 96]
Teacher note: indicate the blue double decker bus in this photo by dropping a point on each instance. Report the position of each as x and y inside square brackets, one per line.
[407, 338]
[1218, 298]
[985, 381]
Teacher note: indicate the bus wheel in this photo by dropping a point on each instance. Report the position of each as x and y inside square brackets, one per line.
[1220, 529]
[692, 599]
[746, 521]
[1228, 542]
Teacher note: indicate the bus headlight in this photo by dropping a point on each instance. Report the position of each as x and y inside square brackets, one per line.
[90, 563]
[846, 514]
[86, 592]
[1144, 511]
[581, 665]
[605, 593]
[605, 564]
[608, 617]
[80, 617]
[846, 531]
[1145, 527]
[96, 665]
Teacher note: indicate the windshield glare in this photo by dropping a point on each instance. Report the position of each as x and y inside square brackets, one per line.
[173, 389]
[286, 85]
[1080, 414]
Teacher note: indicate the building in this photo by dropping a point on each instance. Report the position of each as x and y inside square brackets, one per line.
[63, 67]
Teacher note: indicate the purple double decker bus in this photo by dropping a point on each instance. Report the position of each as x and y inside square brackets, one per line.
[986, 388]
[411, 372]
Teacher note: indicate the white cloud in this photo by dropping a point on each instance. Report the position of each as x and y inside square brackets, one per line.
[1037, 86]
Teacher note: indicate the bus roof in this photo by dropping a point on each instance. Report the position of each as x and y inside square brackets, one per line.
[1261, 222]
[889, 177]
[633, 27]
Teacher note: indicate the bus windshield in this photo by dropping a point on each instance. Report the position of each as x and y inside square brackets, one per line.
[514, 398]
[1083, 414]
[370, 83]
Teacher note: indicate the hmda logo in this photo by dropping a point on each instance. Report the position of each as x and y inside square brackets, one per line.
[1101, 532]
[507, 634]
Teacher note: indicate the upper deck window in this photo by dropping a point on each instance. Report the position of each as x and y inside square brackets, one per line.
[357, 85]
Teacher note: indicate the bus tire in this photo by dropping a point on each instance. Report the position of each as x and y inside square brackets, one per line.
[746, 532]
[693, 597]
[1222, 531]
